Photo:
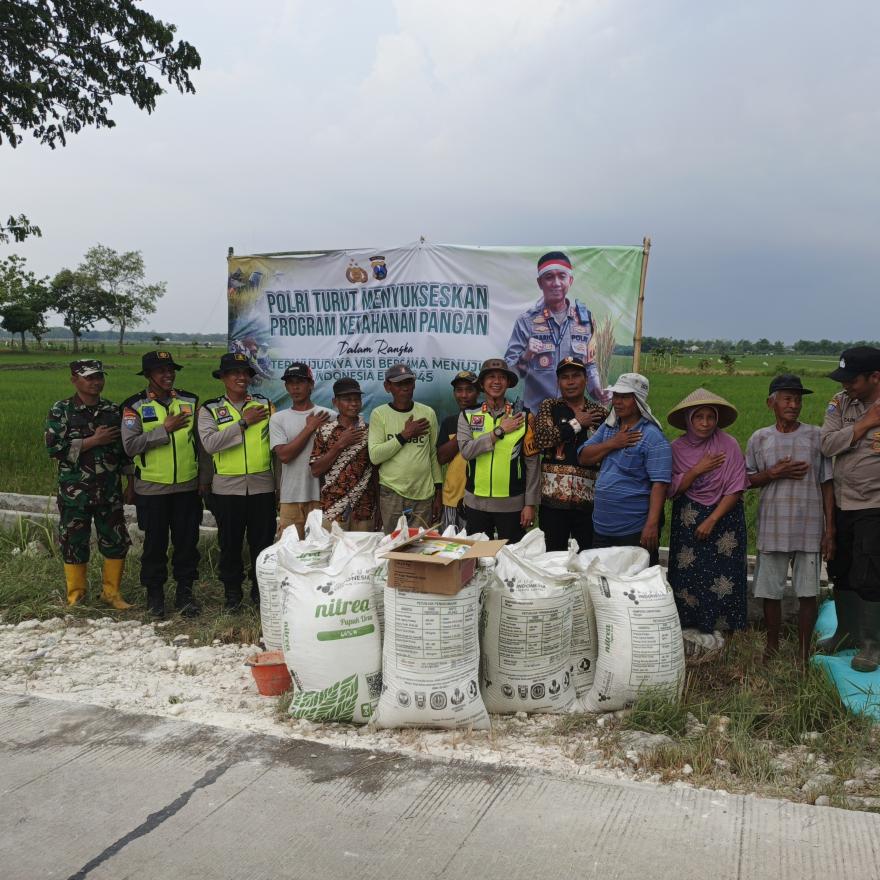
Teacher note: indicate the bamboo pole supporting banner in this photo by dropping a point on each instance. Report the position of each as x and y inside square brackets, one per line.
[640, 309]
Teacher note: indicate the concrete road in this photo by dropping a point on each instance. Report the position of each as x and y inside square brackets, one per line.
[87, 792]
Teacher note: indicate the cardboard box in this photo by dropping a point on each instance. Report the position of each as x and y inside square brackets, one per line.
[429, 564]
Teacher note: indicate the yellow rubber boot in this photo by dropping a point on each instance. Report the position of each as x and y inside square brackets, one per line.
[112, 580]
[77, 581]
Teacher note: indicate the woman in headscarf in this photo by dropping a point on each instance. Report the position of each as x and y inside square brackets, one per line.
[707, 546]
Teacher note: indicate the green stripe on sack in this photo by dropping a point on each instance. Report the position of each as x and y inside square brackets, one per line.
[331, 635]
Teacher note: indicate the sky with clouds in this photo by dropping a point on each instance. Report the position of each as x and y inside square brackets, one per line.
[743, 138]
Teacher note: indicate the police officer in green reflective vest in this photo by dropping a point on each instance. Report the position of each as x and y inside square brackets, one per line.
[158, 434]
[82, 435]
[234, 431]
[503, 483]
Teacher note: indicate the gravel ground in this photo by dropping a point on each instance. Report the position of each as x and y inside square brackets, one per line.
[133, 667]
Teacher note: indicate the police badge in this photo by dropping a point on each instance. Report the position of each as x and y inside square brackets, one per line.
[355, 274]
[380, 270]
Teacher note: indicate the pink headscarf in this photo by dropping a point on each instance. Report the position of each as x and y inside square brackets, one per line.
[710, 488]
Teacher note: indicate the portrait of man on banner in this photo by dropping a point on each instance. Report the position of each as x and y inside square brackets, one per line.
[554, 328]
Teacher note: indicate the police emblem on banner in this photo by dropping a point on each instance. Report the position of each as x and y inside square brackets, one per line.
[355, 274]
[380, 270]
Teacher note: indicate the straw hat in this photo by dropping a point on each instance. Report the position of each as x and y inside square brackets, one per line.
[701, 397]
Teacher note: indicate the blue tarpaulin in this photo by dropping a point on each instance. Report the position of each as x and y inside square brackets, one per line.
[859, 691]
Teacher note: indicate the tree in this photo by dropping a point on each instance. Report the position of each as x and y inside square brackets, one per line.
[78, 298]
[126, 298]
[24, 299]
[21, 319]
[62, 62]
[18, 228]
[158, 339]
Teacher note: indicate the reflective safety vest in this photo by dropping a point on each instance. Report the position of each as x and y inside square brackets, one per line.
[500, 472]
[253, 455]
[176, 461]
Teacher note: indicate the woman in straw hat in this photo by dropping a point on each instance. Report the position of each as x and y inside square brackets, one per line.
[707, 547]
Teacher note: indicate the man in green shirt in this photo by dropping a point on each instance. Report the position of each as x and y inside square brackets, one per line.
[402, 444]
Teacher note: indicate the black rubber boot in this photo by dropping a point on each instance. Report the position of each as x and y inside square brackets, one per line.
[234, 597]
[156, 602]
[848, 608]
[184, 602]
[868, 658]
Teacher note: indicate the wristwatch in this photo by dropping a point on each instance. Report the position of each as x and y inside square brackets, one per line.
[498, 432]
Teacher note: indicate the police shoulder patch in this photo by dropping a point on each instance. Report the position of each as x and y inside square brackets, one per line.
[129, 402]
[189, 395]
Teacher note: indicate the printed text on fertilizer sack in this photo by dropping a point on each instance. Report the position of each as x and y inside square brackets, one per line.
[421, 307]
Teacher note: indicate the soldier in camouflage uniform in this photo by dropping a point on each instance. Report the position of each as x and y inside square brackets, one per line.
[83, 436]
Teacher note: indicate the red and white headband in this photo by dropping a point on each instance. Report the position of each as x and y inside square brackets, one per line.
[555, 266]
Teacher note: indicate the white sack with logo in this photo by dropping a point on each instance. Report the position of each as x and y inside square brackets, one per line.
[431, 656]
[584, 648]
[639, 638]
[314, 549]
[330, 634]
[526, 630]
[380, 574]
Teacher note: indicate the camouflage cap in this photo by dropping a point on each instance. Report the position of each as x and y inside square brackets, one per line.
[88, 367]
[467, 376]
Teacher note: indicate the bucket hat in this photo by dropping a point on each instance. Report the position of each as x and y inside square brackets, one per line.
[154, 359]
[233, 361]
[497, 364]
[701, 397]
[638, 385]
